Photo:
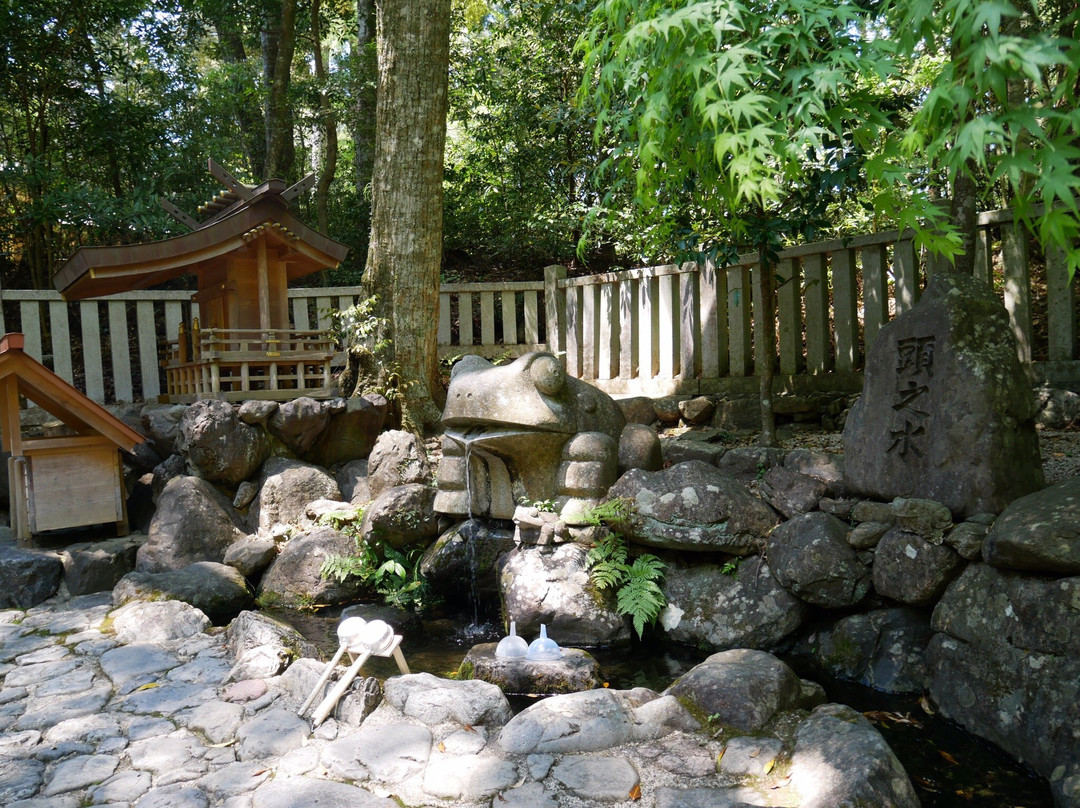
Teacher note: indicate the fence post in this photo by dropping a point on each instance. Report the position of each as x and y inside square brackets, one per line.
[1060, 312]
[789, 315]
[554, 309]
[906, 273]
[845, 310]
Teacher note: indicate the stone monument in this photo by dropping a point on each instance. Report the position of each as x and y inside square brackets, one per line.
[947, 412]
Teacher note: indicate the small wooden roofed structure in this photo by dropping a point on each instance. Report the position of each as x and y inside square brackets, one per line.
[60, 482]
[243, 256]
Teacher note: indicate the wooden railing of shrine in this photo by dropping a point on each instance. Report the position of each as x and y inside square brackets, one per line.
[240, 364]
[668, 329]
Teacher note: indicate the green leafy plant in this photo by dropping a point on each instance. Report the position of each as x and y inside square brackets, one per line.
[356, 326]
[542, 505]
[730, 567]
[612, 513]
[391, 572]
[636, 583]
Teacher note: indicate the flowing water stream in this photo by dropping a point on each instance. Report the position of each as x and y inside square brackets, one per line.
[949, 767]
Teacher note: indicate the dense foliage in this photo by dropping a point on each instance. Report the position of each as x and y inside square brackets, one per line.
[637, 129]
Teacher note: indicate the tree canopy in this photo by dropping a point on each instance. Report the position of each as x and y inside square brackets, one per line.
[738, 122]
[674, 126]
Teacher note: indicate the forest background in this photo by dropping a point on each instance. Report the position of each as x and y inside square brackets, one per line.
[108, 105]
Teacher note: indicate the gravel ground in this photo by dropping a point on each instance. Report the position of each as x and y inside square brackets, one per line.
[1060, 449]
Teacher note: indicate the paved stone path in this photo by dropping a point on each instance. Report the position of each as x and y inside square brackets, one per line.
[135, 708]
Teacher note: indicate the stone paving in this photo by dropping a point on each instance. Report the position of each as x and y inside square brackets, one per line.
[144, 706]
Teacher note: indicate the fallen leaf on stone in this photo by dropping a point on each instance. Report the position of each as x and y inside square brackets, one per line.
[260, 771]
[925, 704]
[469, 728]
[221, 745]
[769, 765]
[501, 797]
[721, 755]
[755, 753]
[782, 783]
[635, 792]
[441, 747]
[948, 758]
[148, 685]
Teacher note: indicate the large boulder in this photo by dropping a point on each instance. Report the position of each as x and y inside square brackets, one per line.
[351, 433]
[97, 566]
[594, 720]
[911, 570]
[29, 576]
[693, 506]
[1006, 663]
[193, 522]
[575, 670]
[299, 423]
[218, 591]
[436, 701]
[707, 606]
[464, 559]
[218, 446]
[287, 486]
[884, 649]
[840, 759]
[791, 492]
[551, 585]
[947, 412]
[398, 458]
[161, 424]
[261, 646]
[402, 515]
[294, 580]
[1039, 532]
[743, 689]
[352, 479]
[811, 558]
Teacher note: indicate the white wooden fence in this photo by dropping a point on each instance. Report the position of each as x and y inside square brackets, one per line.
[654, 331]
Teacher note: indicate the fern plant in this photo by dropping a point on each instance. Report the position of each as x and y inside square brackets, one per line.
[636, 585]
[390, 572]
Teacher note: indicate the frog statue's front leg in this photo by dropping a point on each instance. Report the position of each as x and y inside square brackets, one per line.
[588, 468]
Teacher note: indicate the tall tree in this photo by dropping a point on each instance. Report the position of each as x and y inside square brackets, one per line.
[327, 121]
[405, 247]
[280, 39]
[1003, 108]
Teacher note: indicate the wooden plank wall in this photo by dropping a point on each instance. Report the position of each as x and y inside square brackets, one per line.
[653, 331]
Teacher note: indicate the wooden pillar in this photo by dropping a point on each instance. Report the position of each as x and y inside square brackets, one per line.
[263, 269]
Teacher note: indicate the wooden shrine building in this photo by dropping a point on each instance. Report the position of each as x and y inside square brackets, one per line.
[60, 482]
[241, 345]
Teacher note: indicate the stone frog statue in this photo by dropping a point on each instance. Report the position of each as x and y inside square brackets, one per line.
[528, 433]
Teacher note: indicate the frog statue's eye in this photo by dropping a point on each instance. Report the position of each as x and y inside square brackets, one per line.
[547, 374]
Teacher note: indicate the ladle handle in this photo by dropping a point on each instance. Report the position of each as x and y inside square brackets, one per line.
[330, 702]
[322, 680]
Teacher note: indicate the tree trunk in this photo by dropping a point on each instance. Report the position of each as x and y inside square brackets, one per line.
[405, 247]
[963, 213]
[364, 79]
[248, 117]
[280, 151]
[329, 127]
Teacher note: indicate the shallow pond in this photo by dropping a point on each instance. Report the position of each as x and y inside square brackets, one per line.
[949, 767]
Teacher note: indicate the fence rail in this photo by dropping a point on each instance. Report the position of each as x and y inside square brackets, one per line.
[675, 328]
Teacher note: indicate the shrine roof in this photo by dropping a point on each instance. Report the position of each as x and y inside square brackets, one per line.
[99, 271]
[54, 395]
